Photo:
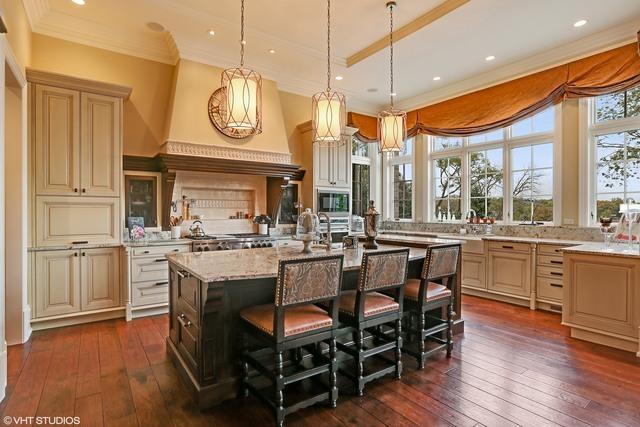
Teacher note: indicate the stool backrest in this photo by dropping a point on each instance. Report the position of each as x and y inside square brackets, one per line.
[441, 262]
[307, 280]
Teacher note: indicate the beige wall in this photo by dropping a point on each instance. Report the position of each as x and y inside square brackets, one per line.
[18, 30]
[189, 118]
[144, 113]
[296, 109]
[570, 166]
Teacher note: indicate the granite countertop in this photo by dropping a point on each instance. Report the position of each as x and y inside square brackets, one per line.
[616, 249]
[73, 247]
[418, 236]
[159, 242]
[401, 238]
[262, 263]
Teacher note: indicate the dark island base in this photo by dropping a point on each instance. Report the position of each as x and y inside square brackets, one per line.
[203, 340]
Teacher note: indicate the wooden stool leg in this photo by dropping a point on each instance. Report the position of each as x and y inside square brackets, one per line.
[360, 362]
[421, 337]
[333, 368]
[244, 390]
[450, 328]
[398, 348]
[279, 387]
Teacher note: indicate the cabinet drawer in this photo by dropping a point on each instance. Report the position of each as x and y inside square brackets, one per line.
[553, 261]
[159, 250]
[188, 341]
[69, 220]
[551, 249]
[149, 269]
[510, 246]
[473, 247]
[188, 299]
[550, 288]
[144, 293]
[552, 272]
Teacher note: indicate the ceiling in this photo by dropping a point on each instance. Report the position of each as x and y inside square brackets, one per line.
[523, 35]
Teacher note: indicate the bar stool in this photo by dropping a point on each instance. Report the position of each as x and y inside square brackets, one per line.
[292, 322]
[367, 309]
[432, 291]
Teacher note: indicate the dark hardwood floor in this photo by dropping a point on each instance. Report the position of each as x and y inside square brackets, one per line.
[512, 366]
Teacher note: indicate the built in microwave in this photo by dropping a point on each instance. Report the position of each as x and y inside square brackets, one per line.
[333, 202]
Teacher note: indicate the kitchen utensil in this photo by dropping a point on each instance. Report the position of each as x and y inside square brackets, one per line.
[197, 229]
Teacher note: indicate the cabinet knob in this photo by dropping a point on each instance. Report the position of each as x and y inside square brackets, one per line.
[75, 190]
[75, 254]
[84, 254]
[84, 190]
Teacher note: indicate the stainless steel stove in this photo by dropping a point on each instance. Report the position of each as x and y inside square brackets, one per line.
[225, 242]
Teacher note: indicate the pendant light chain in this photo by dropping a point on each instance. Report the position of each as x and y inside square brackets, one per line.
[391, 4]
[328, 46]
[242, 41]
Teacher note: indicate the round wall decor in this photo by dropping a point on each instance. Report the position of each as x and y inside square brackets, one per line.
[216, 105]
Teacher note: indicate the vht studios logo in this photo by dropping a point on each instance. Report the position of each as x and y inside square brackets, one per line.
[60, 421]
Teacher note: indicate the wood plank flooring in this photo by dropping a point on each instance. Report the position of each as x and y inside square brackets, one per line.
[512, 367]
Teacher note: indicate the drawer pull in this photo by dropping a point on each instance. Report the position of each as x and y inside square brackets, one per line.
[555, 273]
[555, 285]
[160, 283]
[80, 242]
[555, 262]
[183, 274]
[176, 250]
[145, 252]
[183, 319]
[507, 247]
[159, 260]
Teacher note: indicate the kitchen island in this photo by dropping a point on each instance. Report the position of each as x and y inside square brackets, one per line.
[207, 292]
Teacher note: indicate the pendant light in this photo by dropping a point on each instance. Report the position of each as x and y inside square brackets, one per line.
[392, 123]
[242, 88]
[328, 108]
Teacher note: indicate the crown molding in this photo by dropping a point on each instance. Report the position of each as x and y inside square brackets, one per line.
[587, 46]
[76, 83]
[228, 153]
[36, 10]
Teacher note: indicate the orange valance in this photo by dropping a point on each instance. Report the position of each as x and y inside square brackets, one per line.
[504, 104]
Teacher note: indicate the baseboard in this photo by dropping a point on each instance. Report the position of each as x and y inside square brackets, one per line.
[521, 301]
[78, 319]
[26, 322]
[149, 311]
[3, 370]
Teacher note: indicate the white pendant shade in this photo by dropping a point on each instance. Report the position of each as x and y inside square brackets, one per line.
[392, 130]
[328, 117]
[243, 94]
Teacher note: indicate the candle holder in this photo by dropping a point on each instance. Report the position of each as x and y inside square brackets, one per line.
[371, 219]
[307, 229]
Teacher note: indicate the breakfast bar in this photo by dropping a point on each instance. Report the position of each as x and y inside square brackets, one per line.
[207, 292]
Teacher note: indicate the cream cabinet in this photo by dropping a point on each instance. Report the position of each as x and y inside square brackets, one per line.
[332, 165]
[57, 141]
[76, 281]
[509, 270]
[474, 271]
[57, 279]
[100, 278]
[77, 143]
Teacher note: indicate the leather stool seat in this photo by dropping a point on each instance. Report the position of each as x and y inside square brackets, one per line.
[297, 319]
[374, 303]
[434, 291]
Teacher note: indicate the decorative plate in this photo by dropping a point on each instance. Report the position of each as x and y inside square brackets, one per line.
[216, 113]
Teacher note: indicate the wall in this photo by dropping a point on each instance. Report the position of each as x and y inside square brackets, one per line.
[296, 109]
[570, 162]
[18, 30]
[188, 120]
[144, 113]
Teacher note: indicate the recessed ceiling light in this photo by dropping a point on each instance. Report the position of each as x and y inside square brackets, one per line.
[490, 58]
[272, 51]
[372, 89]
[79, 2]
[580, 23]
[436, 78]
[154, 26]
[339, 78]
[212, 33]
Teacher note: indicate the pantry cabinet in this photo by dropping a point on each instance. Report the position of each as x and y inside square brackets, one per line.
[333, 165]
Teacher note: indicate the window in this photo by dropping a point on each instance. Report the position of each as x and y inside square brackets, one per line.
[400, 173]
[402, 191]
[506, 174]
[289, 204]
[447, 176]
[486, 183]
[359, 148]
[614, 153]
[532, 183]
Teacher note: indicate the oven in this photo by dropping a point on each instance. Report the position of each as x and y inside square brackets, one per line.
[333, 202]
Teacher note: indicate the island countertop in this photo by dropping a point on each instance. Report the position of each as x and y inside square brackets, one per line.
[263, 263]
[616, 249]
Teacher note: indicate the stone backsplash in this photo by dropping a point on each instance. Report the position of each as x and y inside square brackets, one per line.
[585, 234]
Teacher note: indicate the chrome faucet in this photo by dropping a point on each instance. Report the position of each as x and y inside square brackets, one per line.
[327, 239]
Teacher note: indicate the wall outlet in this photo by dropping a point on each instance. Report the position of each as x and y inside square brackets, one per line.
[569, 221]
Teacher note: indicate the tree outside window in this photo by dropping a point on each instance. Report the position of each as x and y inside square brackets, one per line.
[402, 191]
[447, 175]
[361, 190]
[532, 183]
[486, 183]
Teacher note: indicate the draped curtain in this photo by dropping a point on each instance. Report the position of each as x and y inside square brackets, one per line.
[504, 104]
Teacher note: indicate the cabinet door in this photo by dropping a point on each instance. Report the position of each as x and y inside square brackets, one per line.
[57, 140]
[57, 283]
[100, 278]
[473, 271]
[510, 273]
[342, 163]
[323, 165]
[100, 166]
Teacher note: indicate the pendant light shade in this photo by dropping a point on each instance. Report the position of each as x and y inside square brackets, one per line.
[242, 88]
[392, 123]
[328, 108]
[392, 130]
